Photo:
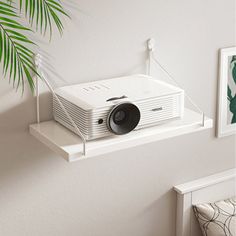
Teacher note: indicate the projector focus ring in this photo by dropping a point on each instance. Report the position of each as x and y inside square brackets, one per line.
[123, 118]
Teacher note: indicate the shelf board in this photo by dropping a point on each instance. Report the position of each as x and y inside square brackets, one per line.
[69, 145]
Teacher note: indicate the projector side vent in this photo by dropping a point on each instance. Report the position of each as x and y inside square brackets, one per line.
[159, 110]
[86, 121]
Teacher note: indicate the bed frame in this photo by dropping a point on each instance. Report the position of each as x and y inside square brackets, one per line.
[209, 189]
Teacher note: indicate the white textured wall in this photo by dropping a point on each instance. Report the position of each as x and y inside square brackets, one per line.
[126, 193]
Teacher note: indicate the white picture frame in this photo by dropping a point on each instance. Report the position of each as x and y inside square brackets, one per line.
[225, 126]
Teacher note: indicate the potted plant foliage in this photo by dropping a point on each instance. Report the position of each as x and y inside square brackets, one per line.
[16, 54]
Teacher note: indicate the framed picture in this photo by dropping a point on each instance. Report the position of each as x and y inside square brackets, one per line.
[227, 93]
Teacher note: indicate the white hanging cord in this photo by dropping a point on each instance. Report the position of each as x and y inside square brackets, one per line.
[151, 47]
[149, 62]
[151, 57]
[37, 100]
[37, 62]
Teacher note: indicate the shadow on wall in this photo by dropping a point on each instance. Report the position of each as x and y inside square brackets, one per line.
[18, 118]
[17, 147]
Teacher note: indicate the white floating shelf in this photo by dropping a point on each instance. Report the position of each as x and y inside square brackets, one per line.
[69, 145]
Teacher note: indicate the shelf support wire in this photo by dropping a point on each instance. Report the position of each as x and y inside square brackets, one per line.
[38, 62]
[37, 99]
[151, 58]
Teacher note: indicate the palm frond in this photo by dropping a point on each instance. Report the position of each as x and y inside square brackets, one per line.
[14, 52]
[43, 13]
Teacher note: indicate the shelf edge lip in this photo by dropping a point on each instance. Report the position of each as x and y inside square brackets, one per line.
[205, 181]
[208, 125]
[49, 143]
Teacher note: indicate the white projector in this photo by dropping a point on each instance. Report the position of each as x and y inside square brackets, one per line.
[118, 106]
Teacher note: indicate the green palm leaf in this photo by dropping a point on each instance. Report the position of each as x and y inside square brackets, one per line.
[234, 71]
[16, 57]
[229, 93]
[44, 13]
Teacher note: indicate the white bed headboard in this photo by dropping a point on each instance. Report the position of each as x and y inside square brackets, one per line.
[209, 189]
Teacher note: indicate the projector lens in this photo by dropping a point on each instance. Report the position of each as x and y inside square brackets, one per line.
[123, 118]
[119, 117]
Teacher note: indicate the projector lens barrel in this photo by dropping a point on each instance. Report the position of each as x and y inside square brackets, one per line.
[123, 118]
